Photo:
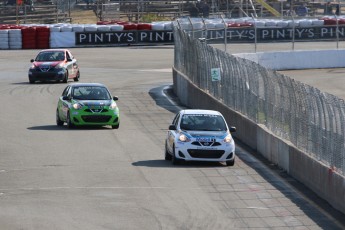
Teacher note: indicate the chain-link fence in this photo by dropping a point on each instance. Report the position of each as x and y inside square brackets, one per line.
[310, 119]
[223, 32]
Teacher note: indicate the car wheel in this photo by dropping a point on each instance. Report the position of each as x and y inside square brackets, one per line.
[174, 160]
[58, 120]
[65, 79]
[115, 126]
[69, 121]
[31, 80]
[230, 163]
[77, 77]
[167, 154]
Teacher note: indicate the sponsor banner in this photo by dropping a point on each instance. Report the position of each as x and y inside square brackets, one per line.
[274, 34]
[233, 35]
[123, 37]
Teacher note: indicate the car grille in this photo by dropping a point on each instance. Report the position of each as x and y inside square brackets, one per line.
[96, 118]
[206, 143]
[44, 68]
[97, 110]
[198, 153]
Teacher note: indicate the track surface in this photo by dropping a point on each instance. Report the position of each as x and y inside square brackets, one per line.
[98, 178]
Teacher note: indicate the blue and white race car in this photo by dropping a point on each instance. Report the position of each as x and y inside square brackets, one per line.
[200, 135]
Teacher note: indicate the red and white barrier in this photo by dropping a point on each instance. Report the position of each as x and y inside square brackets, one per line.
[63, 35]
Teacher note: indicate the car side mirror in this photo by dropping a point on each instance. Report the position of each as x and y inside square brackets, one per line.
[232, 129]
[66, 98]
[115, 98]
[172, 127]
[32, 60]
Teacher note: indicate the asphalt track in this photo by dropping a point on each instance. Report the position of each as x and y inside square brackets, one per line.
[98, 178]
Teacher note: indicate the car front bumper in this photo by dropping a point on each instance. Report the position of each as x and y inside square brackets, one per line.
[55, 75]
[79, 118]
[196, 151]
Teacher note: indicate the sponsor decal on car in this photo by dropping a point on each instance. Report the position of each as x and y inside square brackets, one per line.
[205, 139]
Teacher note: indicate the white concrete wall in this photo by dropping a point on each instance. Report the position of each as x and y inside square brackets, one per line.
[308, 59]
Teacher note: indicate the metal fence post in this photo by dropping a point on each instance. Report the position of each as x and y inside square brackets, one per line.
[293, 32]
[255, 33]
[191, 23]
[225, 33]
[337, 30]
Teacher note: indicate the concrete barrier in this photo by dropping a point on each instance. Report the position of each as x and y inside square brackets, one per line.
[304, 59]
[325, 182]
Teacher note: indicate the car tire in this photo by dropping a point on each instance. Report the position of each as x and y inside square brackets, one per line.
[115, 126]
[167, 156]
[230, 163]
[174, 160]
[59, 122]
[31, 81]
[69, 121]
[77, 77]
[65, 79]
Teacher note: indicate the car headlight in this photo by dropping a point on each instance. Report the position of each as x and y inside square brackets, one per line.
[228, 138]
[183, 138]
[77, 106]
[113, 105]
[59, 66]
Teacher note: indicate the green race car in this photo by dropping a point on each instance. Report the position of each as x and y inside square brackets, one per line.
[87, 104]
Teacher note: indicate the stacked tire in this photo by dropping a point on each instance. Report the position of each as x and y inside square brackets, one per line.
[144, 26]
[130, 26]
[43, 37]
[4, 39]
[29, 38]
[15, 38]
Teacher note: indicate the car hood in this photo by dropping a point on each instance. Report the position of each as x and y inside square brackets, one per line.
[217, 134]
[95, 102]
[46, 63]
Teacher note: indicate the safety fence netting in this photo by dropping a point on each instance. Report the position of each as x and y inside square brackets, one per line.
[312, 120]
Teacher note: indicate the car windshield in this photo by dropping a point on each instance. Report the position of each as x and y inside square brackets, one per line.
[50, 56]
[203, 122]
[90, 93]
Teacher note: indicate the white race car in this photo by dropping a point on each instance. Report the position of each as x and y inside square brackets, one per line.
[200, 135]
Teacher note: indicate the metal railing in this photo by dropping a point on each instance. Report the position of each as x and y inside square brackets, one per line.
[312, 120]
[26, 14]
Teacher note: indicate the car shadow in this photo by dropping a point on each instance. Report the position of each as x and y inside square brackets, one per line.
[184, 164]
[55, 127]
[38, 83]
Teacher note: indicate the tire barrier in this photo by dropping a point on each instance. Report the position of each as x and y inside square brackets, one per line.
[29, 38]
[4, 39]
[15, 38]
[43, 36]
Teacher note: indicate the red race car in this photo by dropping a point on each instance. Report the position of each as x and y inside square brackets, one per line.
[54, 65]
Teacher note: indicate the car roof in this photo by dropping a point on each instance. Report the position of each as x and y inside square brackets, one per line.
[86, 84]
[200, 111]
[49, 50]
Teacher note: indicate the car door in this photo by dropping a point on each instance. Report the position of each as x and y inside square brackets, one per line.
[72, 65]
[172, 134]
[64, 104]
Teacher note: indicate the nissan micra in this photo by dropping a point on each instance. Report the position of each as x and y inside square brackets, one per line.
[200, 135]
[87, 104]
